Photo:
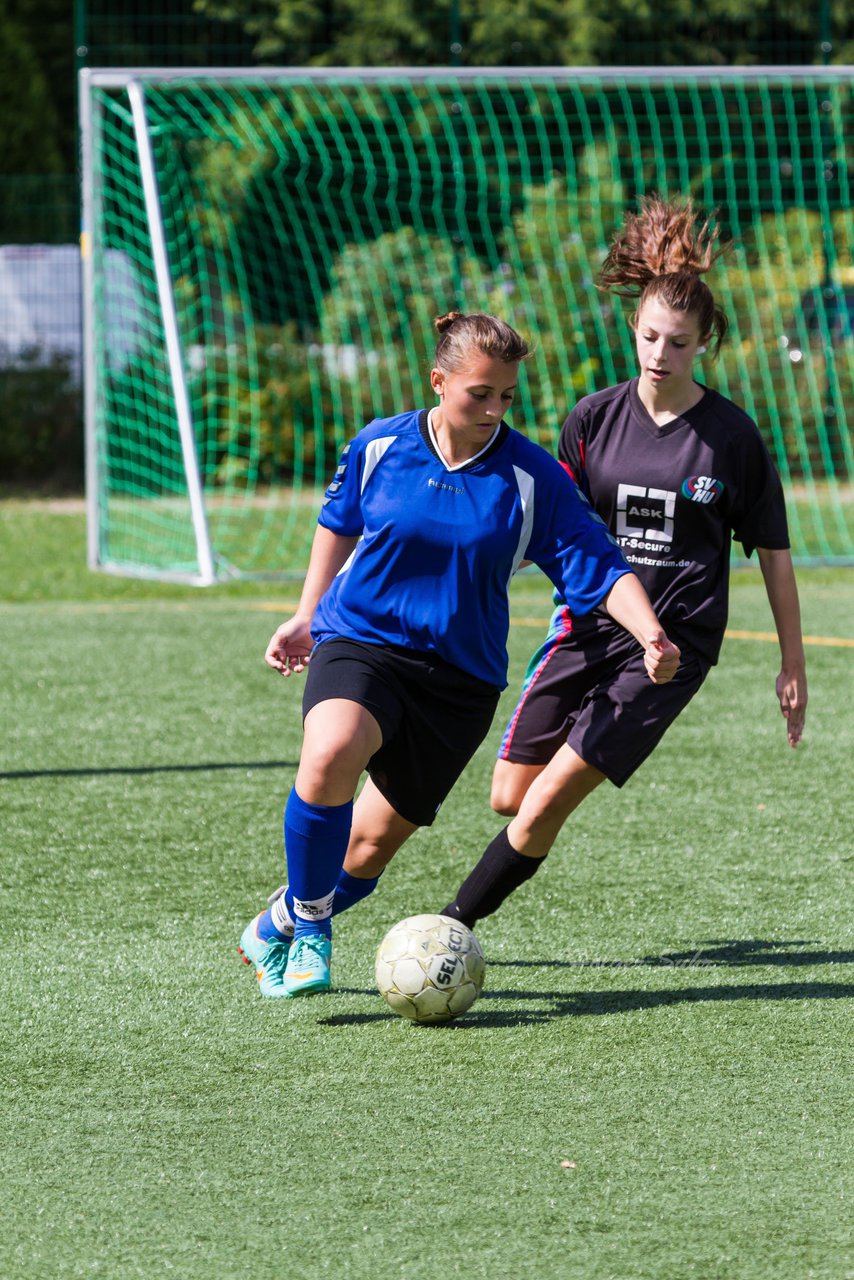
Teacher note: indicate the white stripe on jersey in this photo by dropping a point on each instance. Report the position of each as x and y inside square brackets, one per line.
[374, 455]
[525, 482]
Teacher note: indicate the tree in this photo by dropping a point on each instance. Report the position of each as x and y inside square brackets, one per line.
[45, 27]
[28, 142]
[535, 32]
[341, 32]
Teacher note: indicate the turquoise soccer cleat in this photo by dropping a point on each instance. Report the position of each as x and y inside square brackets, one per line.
[307, 971]
[250, 947]
[268, 958]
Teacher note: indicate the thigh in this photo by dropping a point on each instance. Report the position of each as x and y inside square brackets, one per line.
[552, 796]
[355, 672]
[557, 790]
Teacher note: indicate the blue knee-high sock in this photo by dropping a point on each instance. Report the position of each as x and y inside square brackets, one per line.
[348, 891]
[316, 838]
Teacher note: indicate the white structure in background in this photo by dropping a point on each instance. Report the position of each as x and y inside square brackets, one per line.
[41, 306]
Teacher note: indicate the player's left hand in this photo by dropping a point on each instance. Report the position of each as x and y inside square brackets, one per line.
[661, 659]
[792, 693]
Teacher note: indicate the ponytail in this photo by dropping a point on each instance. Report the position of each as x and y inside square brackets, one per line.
[662, 253]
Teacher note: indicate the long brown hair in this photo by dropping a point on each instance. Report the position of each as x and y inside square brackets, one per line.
[663, 252]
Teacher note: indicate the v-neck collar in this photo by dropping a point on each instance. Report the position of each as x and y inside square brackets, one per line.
[657, 430]
[495, 441]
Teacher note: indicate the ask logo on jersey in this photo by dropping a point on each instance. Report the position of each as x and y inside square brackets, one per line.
[645, 517]
[703, 489]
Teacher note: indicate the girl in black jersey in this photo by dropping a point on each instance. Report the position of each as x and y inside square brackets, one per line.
[676, 471]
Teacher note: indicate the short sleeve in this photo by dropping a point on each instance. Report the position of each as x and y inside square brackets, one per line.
[759, 518]
[341, 511]
[571, 448]
[572, 545]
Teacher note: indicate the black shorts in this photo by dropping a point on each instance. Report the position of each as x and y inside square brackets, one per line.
[599, 699]
[433, 717]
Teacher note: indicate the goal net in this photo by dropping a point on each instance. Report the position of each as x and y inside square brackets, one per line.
[265, 251]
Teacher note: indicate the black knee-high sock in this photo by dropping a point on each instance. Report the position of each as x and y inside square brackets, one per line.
[499, 872]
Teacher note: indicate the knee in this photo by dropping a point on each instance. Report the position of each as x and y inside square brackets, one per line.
[322, 761]
[338, 741]
[510, 785]
[505, 798]
[328, 772]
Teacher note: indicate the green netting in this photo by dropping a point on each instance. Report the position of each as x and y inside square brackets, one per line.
[314, 226]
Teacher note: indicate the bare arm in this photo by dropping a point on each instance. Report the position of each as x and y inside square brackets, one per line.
[782, 589]
[291, 644]
[628, 604]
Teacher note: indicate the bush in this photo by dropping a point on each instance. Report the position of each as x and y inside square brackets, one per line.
[41, 421]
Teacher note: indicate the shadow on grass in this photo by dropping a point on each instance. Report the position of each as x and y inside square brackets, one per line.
[726, 952]
[19, 775]
[548, 1005]
[592, 1003]
[585, 1004]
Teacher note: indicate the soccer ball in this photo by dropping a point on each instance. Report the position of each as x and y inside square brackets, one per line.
[430, 968]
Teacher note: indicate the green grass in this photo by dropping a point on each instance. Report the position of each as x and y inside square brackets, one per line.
[43, 546]
[668, 1005]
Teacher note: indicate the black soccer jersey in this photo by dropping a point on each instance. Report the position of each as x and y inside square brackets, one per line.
[674, 496]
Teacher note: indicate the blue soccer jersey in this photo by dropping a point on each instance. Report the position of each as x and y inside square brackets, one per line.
[438, 546]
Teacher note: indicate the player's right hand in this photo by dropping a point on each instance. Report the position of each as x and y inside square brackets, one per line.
[792, 693]
[290, 648]
[661, 659]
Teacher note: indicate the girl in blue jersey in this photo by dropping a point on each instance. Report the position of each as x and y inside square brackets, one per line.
[676, 471]
[404, 615]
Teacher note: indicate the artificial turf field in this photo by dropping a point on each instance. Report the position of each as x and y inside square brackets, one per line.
[656, 1083]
